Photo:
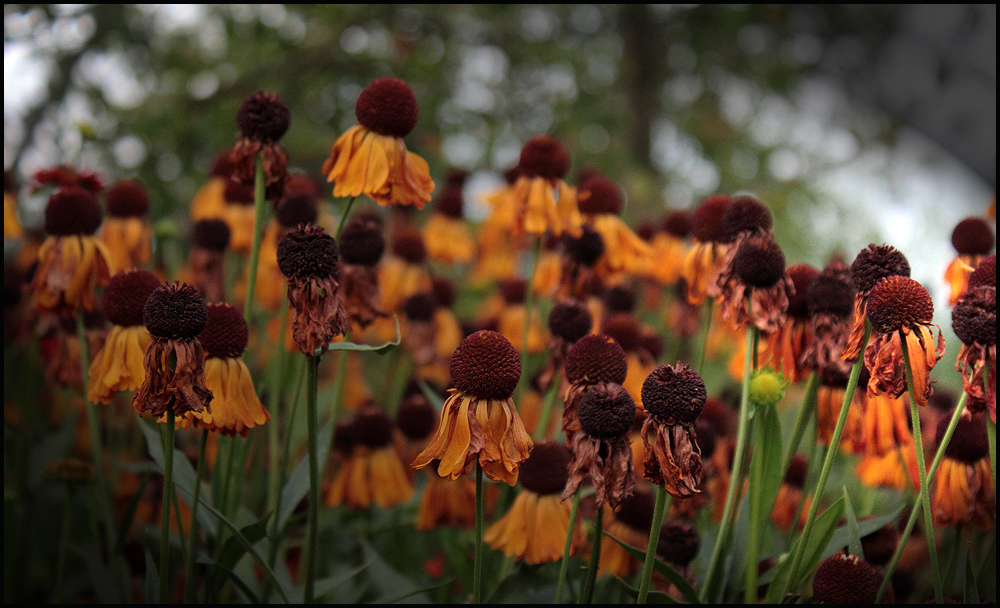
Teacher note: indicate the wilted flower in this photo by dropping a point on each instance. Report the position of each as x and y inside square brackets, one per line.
[446, 232]
[593, 359]
[755, 289]
[872, 265]
[542, 200]
[404, 272]
[209, 239]
[373, 472]
[829, 298]
[974, 320]
[845, 579]
[669, 242]
[973, 239]
[127, 232]
[704, 260]
[600, 202]
[263, 118]
[210, 199]
[674, 397]
[962, 490]
[361, 247]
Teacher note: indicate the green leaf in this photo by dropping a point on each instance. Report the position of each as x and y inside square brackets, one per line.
[431, 395]
[98, 574]
[652, 597]
[326, 585]
[773, 475]
[663, 569]
[840, 536]
[380, 350]
[297, 485]
[233, 550]
[971, 591]
[385, 577]
[853, 533]
[819, 539]
[152, 586]
[251, 597]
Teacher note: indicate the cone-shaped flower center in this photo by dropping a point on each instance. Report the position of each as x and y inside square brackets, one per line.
[596, 358]
[674, 394]
[485, 365]
[897, 302]
[126, 294]
[175, 312]
[225, 334]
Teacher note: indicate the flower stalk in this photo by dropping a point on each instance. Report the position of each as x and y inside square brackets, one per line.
[313, 514]
[168, 490]
[193, 536]
[477, 574]
[659, 508]
[564, 564]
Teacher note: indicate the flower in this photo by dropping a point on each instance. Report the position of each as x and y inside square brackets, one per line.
[829, 399]
[674, 397]
[210, 200]
[869, 267]
[900, 308]
[61, 362]
[479, 420]
[962, 490]
[755, 289]
[361, 247]
[370, 158]
[593, 359]
[404, 273]
[449, 502]
[118, 366]
[845, 579]
[12, 228]
[600, 202]
[174, 314]
[72, 262]
[785, 348]
[235, 407]
[513, 314]
[308, 257]
[127, 232]
[790, 497]
[631, 524]
[569, 320]
[601, 452]
[64, 176]
[373, 472]
[209, 239]
[238, 211]
[542, 200]
[888, 452]
[973, 239]
[974, 320]
[534, 529]
[626, 330]
[263, 118]
[581, 253]
[829, 299]
[669, 243]
[446, 232]
[703, 261]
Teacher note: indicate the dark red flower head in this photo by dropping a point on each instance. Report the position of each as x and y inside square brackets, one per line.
[226, 333]
[606, 411]
[585, 249]
[745, 214]
[70, 211]
[361, 241]
[544, 156]
[307, 252]
[444, 291]
[371, 428]
[175, 312]
[263, 117]
[513, 290]
[831, 292]
[486, 366]
[970, 443]
[126, 294]
[974, 317]
[759, 262]
[387, 106]
[625, 329]
[679, 543]
[985, 273]
[674, 394]
[221, 165]
[420, 307]
[64, 177]
[845, 579]
[547, 468]
[875, 263]
[570, 320]
[127, 198]
[211, 234]
[897, 302]
[973, 236]
[416, 417]
[619, 298]
[706, 223]
[596, 358]
[408, 244]
[801, 275]
[299, 204]
[598, 194]
[238, 193]
[450, 202]
[678, 223]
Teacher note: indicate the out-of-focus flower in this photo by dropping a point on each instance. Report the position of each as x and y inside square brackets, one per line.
[118, 366]
[479, 419]
[361, 247]
[631, 524]
[534, 529]
[703, 261]
[263, 118]
[627, 332]
[869, 267]
[127, 231]
[829, 298]
[900, 308]
[845, 579]
[669, 242]
[790, 497]
[370, 158]
[209, 239]
[674, 397]
[174, 314]
[12, 228]
[973, 239]
[755, 289]
[543, 201]
[569, 320]
[446, 232]
[829, 399]
[600, 202]
[974, 320]
[404, 272]
[786, 347]
[238, 211]
[64, 176]
[373, 472]
[308, 257]
[210, 199]
[962, 490]
[579, 278]
[61, 349]
[496, 256]
[235, 407]
[888, 452]
[593, 359]
[72, 262]
[513, 317]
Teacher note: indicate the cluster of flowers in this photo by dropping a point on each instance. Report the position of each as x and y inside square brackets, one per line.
[628, 423]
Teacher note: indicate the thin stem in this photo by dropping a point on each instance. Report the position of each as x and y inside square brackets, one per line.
[735, 479]
[312, 423]
[568, 548]
[801, 419]
[258, 233]
[193, 537]
[659, 509]
[831, 453]
[706, 325]
[918, 505]
[991, 430]
[547, 405]
[595, 557]
[477, 576]
[756, 514]
[918, 440]
[343, 218]
[168, 491]
[273, 405]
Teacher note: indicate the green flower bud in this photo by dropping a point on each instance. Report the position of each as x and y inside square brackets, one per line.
[767, 388]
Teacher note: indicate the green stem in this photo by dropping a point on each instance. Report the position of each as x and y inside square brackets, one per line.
[595, 557]
[918, 440]
[529, 304]
[991, 431]
[756, 514]
[260, 210]
[706, 325]
[547, 405]
[67, 519]
[659, 508]
[568, 548]
[477, 576]
[312, 423]
[918, 505]
[801, 419]
[168, 491]
[343, 218]
[193, 537]
[831, 453]
[273, 405]
[735, 480]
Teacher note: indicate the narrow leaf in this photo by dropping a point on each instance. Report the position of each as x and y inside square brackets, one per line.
[663, 569]
[652, 597]
[251, 597]
[853, 533]
[297, 485]
[971, 591]
[233, 550]
[152, 587]
[380, 349]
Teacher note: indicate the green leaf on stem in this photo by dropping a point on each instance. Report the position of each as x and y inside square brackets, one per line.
[653, 597]
[380, 349]
[853, 533]
[818, 541]
[249, 596]
[663, 569]
[297, 485]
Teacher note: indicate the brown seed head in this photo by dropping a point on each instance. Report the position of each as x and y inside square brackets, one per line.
[746, 214]
[651, 342]
[985, 273]
[127, 198]
[547, 468]
[420, 307]
[896, 302]
[880, 545]
[706, 223]
[759, 262]
[263, 117]
[636, 511]
[679, 543]
[606, 411]
[126, 294]
[416, 417]
[221, 165]
[970, 443]
[361, 241]
[486, 366]
[973, 236]
[570, 320]
[387, 106]
[408, 244]
[596, 358]
[175, 312]
[625, 329]
[831, 292]
[513, 290]
[371, 428]
[444, 291]
[795, 476]
[225, 335]
[211, 234]
[875, 263]
[974, 317]
[845, 579]
[544, 156]
[620, 298]
[296, 207]
[585, 249]
[450, 202]
[674, 394]
[72, 210]
[307, 252]
[678, 223]
[238, 193]
[801, 276]
[598, 194]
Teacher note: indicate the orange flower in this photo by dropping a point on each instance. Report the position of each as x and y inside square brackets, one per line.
[542, 200]
[974, 320]
[973, 239]
[962, 490]
[446, 232]
[673, 396]
[601, 203]
[210, 199]
[886, 443]
[451, 502]
[373, 472]
[669, 243]
[371, 158]
[12, 228]
[512, 317]
[629, 524]
[127, 232]
[479, 419]
[404, 273]
[872, 265]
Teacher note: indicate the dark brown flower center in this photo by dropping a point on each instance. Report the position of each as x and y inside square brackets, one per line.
[211, 234]
[416, 417]
[745, 214]
[874, 264]
[598, 194]
[387, 106]
[625, 329]
[985, 273]
[371, 428]
[831, 292]
[126, 294]
[296, 207]
[970, 443]
[585, 249]
[175, 312]
[450, 202]
[263, 116]
[678, 224]
[420, 307]
[620, 298]
[678, 543]
[486, 366]
[513, 290]
[596, 358]
[225, 334]
[974, 317]
[238, 193]
[570, 320]
[547, 468]
[127, 198]
[973, 236]
[845, 579]
[361, 242]
[307, 252]
[544, 156]
[444, 291]
[706, 223]
[801, 275]
[636, 511]
[674, 394]
[72, 210]
[897, 302]
[408, 244]
[880, 545]
[759, 262]
[606, 411]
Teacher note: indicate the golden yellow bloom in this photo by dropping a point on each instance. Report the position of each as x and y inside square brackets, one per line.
[370, 158]
[373, 472]
[119, 365]
[973, 240]
[601, 203]
[12, 228]
[450, 502]
[236, 408]
[962, 490]
[704, 259]
[127, 232]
